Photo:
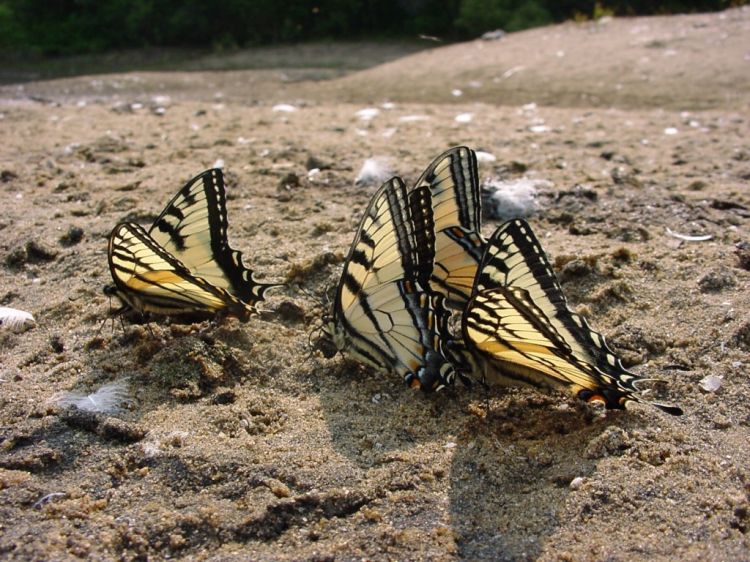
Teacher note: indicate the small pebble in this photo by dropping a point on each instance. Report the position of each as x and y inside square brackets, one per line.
[711, 383]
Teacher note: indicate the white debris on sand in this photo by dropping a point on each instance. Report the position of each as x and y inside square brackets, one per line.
[711, 383]
[108, 399]
[16, 320]
[413, 118]
[464, 118]
[284, 108]
[506, 200]
[374, 171]
[540, 129]
[368, 113]
[485, 156]
[689, 237]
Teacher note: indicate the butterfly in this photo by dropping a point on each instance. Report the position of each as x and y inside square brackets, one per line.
[384, 313]
[519, 330]
[184, 264]
[453, 181]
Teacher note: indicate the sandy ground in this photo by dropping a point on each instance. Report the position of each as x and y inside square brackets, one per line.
[237, 443]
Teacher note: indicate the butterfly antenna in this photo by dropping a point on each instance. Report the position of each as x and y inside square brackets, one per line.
[311, 295]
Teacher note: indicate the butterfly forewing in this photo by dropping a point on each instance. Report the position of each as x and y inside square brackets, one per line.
[193, 228]
[454, 187]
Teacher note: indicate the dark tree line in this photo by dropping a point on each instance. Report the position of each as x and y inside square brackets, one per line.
[84, 26]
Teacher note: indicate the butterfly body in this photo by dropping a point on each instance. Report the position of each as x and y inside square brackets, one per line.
[183, 265]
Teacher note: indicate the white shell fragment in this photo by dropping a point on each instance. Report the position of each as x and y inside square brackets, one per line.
[688, 237]
[576, 483]
[16, 320]
[284, 108]
[711, 383]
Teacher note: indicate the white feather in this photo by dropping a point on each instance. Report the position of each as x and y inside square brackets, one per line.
[108, 399]
[374, 171]
[511, 199]
[14, 319]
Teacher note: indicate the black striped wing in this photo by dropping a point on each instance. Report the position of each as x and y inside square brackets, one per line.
[383, 315]
[151, 280]
[520, 324]
[193, 228]
[454, 186]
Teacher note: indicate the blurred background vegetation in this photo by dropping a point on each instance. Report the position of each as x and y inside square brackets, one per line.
[66, 27]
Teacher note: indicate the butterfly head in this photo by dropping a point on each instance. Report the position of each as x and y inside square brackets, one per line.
[330, 340]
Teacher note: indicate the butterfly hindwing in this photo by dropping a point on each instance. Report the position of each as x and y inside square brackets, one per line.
[193, 228]
[382, 314]
[519, 323]
[454, 187]
[151, 280]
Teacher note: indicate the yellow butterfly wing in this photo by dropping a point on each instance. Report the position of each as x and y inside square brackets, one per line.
[150, 280]
[457, 210]
[193, 228]
[383, 314]
[519, 324]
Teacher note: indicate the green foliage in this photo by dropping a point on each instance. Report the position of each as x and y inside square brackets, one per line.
[477, 16]
[58, 27]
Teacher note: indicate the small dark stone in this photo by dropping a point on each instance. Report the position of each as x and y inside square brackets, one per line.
[226, 397]
[717, 279]
[741, 337]
[287, 186]
[288, 181]
[73, 236]
[290, 312]
[37, 252]
[742, 252]
[119, 430]
[16, 257]
[697, 185]
[56, 344]
[81, 419]
[724, 205]
[313, 162]
[575, 270]
[7, 175]
[622, 175]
